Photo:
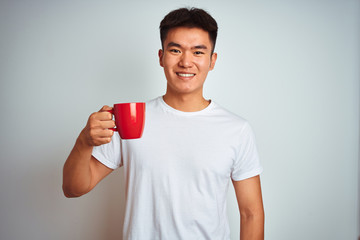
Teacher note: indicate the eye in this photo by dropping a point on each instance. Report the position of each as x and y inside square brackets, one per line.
[174, 50]
[198, 53]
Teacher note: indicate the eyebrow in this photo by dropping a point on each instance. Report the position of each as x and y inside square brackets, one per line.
[173, 44]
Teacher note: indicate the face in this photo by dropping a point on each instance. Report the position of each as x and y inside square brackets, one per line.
[186, 59]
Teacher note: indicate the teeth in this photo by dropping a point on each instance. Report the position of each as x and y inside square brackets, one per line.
[186, 74]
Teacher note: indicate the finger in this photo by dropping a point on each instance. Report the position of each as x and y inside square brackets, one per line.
[97, 134]
[101, 141]
[103, 116]
[106, 133]
[107, 124]
[105, 109]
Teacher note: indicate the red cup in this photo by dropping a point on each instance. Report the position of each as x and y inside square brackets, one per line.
[129, 119]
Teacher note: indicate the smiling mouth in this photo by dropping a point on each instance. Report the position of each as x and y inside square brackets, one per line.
[185, 74]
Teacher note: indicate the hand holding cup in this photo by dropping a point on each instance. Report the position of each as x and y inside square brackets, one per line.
[97, 130]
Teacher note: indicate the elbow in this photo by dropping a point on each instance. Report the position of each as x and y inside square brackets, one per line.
[253, 215]
[74, 189]
[71, 193]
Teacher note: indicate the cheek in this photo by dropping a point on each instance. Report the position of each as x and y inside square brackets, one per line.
[168, 60]
[204, 65]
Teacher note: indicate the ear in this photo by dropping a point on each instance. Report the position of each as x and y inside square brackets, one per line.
[161, 54]
[213, 60]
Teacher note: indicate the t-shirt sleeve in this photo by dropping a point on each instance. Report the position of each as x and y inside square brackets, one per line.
[247, 163]
[109, 154]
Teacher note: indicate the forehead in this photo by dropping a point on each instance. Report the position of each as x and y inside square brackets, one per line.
[186, 36]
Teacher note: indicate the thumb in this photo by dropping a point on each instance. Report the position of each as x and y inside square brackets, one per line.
[105, 109]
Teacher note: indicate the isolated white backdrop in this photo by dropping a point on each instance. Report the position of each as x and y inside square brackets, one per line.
[290, 67]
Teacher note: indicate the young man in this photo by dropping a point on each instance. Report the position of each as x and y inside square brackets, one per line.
[177, 174]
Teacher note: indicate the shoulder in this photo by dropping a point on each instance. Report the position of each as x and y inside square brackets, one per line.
[153, 103]
[228, 115]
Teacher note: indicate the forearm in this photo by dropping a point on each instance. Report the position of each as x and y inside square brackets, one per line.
[77, 172]
[252, 227]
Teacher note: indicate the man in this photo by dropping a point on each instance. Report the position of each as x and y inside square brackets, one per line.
[177, 174]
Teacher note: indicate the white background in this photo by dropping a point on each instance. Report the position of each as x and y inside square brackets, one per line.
[290, 67]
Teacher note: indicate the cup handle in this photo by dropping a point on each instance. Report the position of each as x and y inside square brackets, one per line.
[112, 112]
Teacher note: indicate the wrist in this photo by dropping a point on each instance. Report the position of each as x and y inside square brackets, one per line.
[82, 142]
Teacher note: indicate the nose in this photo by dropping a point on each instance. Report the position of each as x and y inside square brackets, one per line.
[186, 60]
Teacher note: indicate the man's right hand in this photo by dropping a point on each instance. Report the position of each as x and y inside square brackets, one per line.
[98, 128]
[81, 170]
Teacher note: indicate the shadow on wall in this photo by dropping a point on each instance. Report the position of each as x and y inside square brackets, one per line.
[115, 194]
[34, 206]
[102, 210]
[358, 200]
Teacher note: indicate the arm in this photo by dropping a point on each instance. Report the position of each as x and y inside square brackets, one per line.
[81, 170]
[249, 198]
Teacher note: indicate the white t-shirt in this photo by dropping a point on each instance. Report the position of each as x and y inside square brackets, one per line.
[177, 175]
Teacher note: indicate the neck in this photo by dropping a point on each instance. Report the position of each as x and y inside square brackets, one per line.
[186, 103]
